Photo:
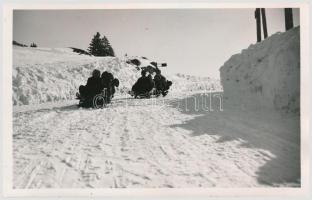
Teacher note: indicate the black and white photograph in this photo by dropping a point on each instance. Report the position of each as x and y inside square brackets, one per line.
[156, 98]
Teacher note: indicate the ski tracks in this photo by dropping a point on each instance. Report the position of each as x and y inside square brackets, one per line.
[133, 146]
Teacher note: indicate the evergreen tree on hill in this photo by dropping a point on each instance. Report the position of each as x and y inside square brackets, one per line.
[109, 51]
[95, 45]
[33, 45]
[100, 46]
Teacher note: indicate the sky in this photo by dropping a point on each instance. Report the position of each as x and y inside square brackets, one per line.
[191, 41]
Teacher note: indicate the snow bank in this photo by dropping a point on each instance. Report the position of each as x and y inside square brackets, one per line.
[52, 74]
[27, 56]
[187, 83]
[43, 75]
[266, 75]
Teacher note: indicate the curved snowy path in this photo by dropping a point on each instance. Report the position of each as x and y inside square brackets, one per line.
[140, 143]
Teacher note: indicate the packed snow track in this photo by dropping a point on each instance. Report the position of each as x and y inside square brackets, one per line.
[142, 143]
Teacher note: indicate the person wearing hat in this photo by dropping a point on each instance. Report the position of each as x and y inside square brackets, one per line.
[109, 83]
[93, 86]
[143, 85]
[162, 85]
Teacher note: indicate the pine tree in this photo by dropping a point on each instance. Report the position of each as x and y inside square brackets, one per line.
[96, 45]
[33, 45]
[108, 49]
[100, 46]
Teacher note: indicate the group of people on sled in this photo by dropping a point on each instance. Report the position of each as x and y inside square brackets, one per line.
[98, 84]
[146, 85]
[105, 84]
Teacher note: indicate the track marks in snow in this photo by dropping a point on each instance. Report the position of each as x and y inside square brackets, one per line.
[144, 145]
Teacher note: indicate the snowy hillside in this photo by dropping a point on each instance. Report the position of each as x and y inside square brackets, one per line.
[266, 75]
[53, 74]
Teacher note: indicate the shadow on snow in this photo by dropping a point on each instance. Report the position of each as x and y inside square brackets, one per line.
[280, 136]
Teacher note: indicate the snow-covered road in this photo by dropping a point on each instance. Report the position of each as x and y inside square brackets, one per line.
[140, 143]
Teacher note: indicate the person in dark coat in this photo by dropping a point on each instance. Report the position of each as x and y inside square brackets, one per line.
[150, 83]
[115, 84]
[143, 85]
[109, 83]
[93, 86]
[161, 84]
[159, 80]
[138, 87]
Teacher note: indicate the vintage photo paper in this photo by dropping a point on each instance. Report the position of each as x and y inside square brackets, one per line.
[189, 100]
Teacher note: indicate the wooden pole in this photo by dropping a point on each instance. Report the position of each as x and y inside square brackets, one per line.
[289, 24]
[258, 21]
[264, 24]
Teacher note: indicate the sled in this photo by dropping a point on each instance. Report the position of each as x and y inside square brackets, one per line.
[140, 96]
[152, 94]
[98, 101]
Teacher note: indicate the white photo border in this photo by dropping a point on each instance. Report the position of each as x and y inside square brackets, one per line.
[7, 108]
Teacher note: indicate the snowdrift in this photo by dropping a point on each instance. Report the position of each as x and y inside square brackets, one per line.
[187, 83]
[53, 74]
[266, 75]
[45, 75]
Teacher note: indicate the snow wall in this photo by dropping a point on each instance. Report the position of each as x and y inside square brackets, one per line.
[266, 75]
[54, 74]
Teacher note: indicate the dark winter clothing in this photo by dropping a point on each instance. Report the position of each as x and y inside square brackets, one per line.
[92, 88]
[109, 83]
[97, 84]
[168, 84]
[143, 85]
[151, 83]
[161, 84]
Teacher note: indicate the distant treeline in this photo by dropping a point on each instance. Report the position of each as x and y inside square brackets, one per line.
[99, 46]
[23, 45]
[33, 45]
[80, 51]
[19, 44]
